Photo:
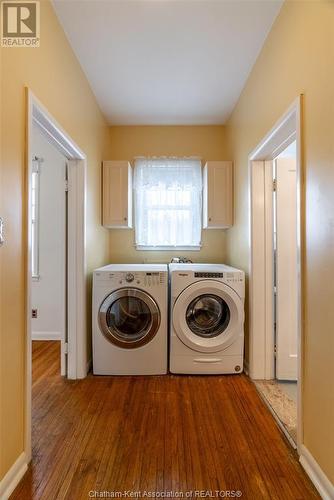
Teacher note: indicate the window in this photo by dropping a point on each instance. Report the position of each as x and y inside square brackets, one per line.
[35, 219]
[168, 203]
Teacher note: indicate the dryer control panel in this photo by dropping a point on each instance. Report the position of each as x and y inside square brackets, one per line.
[147, 279]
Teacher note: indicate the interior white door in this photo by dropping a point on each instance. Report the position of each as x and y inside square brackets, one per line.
[286, 269]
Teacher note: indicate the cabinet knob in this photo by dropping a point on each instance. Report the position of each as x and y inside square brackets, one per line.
[210, 219]
[125, 218]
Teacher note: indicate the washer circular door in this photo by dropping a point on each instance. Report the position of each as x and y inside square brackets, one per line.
[208, 316]
[129, 318]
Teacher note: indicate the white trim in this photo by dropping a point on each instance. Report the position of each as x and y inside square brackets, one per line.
[288, 128]
[257, 318]
[194, 248]
[54, 131]
[269, 271]
[46, 335]
[37, 114]
[168, 158]
[282, 133]
[77, 353]
[9, 482]
[316, 474]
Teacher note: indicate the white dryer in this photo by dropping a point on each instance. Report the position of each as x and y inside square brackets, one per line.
[207, 318]
[130, 319]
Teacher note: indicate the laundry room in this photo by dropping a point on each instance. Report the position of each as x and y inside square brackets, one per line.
[165, 226]
[170, 202]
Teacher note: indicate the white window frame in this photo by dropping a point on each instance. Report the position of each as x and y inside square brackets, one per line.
[35, 222]
[171, 248]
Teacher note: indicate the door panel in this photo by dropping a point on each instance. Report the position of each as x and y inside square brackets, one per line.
[286, 269]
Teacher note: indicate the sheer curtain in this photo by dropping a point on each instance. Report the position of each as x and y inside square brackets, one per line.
[168, 202]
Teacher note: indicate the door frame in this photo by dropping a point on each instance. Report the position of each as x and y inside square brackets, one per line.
[37, 114]
[261, 354]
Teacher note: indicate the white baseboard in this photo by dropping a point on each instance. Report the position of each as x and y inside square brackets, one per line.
[316, 474]
[13, 477]
[46, 336]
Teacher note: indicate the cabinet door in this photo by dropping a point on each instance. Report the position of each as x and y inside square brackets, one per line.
[117, 194]
[217, 195]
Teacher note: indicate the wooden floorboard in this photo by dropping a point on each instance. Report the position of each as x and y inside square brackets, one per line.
[154, 434]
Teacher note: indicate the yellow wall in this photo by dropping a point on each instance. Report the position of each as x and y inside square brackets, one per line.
[298, 58]
[55, 77]
[207, 142]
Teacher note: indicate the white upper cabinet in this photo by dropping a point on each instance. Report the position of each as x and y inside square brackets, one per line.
[117, 194]
[217, 195]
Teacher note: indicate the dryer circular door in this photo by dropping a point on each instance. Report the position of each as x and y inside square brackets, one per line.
[129, 318]
[208, 316]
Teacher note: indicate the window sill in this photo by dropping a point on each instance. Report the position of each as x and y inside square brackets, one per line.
[195, 248]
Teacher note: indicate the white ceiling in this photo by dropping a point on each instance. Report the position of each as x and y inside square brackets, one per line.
[167, 62]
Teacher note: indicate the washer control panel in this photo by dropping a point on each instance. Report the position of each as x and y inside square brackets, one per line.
[227, 276]
[209, 275]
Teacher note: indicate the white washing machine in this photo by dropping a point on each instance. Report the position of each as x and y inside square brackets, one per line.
[206, 318]
[130, 319]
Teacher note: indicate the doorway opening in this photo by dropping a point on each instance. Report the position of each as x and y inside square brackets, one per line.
[281, 391]
[275, 276]
[49, 216]
[55, 258]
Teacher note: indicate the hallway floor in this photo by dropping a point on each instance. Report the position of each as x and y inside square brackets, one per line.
[154, 434]
[282, 398]
[289, 388]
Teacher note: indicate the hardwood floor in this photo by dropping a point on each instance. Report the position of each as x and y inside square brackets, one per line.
[154, 434]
